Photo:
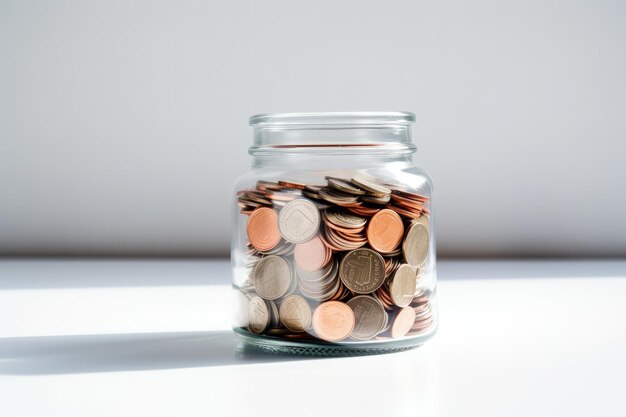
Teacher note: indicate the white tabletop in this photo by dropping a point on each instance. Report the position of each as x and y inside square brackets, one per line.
[152, 338]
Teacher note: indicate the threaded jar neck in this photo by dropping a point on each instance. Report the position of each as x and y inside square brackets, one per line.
[326, 133]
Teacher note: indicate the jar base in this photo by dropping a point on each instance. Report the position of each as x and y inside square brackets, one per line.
[326, 349]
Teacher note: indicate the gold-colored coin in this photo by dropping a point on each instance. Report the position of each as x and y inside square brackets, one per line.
[403, 285]
[416, 242]
[370, 317]
[375, 200]
[362, 270]
[295, 313]
[272, 277]
[259, 315]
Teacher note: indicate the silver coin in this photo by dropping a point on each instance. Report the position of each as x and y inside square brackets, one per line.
[337, 197]
[375, 200]
[416, 242]
[272, 277]
[332, 291]
[321, 288]
[403, 285]
[343, 219]
[376, 189]
[258, 315]
[370, 317]
[309, 194]
[345, 186]
[299, 221]
[242, 300]
[295, 313]
[274, 316]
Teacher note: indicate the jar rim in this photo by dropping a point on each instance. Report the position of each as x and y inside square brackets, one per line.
[357, 118]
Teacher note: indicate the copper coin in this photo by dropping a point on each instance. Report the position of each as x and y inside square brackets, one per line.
[364, 211]
[256, 197]
[406, 213]
[411, 196]
[263, 185]
[407, 202]
[333, 321]
[335, 238]
[291, 184]
[244, 201]
[328, 242]
[312, 255]
[383, 293]
[385, 231]
[403, 322]
[391, 265]
[263, 229]
[379, 296]
[362, 270]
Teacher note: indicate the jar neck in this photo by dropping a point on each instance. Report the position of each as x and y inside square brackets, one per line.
[331, 161]
[331, 134]
[332, 140]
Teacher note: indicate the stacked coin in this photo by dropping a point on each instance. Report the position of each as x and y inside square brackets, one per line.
[343, 231]
[339, 261]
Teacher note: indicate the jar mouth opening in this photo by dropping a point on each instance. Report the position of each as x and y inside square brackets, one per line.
[332, 133]
[332, 119]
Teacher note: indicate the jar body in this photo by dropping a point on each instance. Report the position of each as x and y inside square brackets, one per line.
[333, 250]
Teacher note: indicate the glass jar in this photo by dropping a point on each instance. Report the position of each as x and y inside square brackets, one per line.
[333, 248]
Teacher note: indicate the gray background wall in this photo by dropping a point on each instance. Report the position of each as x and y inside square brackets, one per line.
[124, 124]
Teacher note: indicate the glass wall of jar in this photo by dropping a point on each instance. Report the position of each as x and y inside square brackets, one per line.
[333, 248]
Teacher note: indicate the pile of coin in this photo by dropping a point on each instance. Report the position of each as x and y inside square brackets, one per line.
[340, 261]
